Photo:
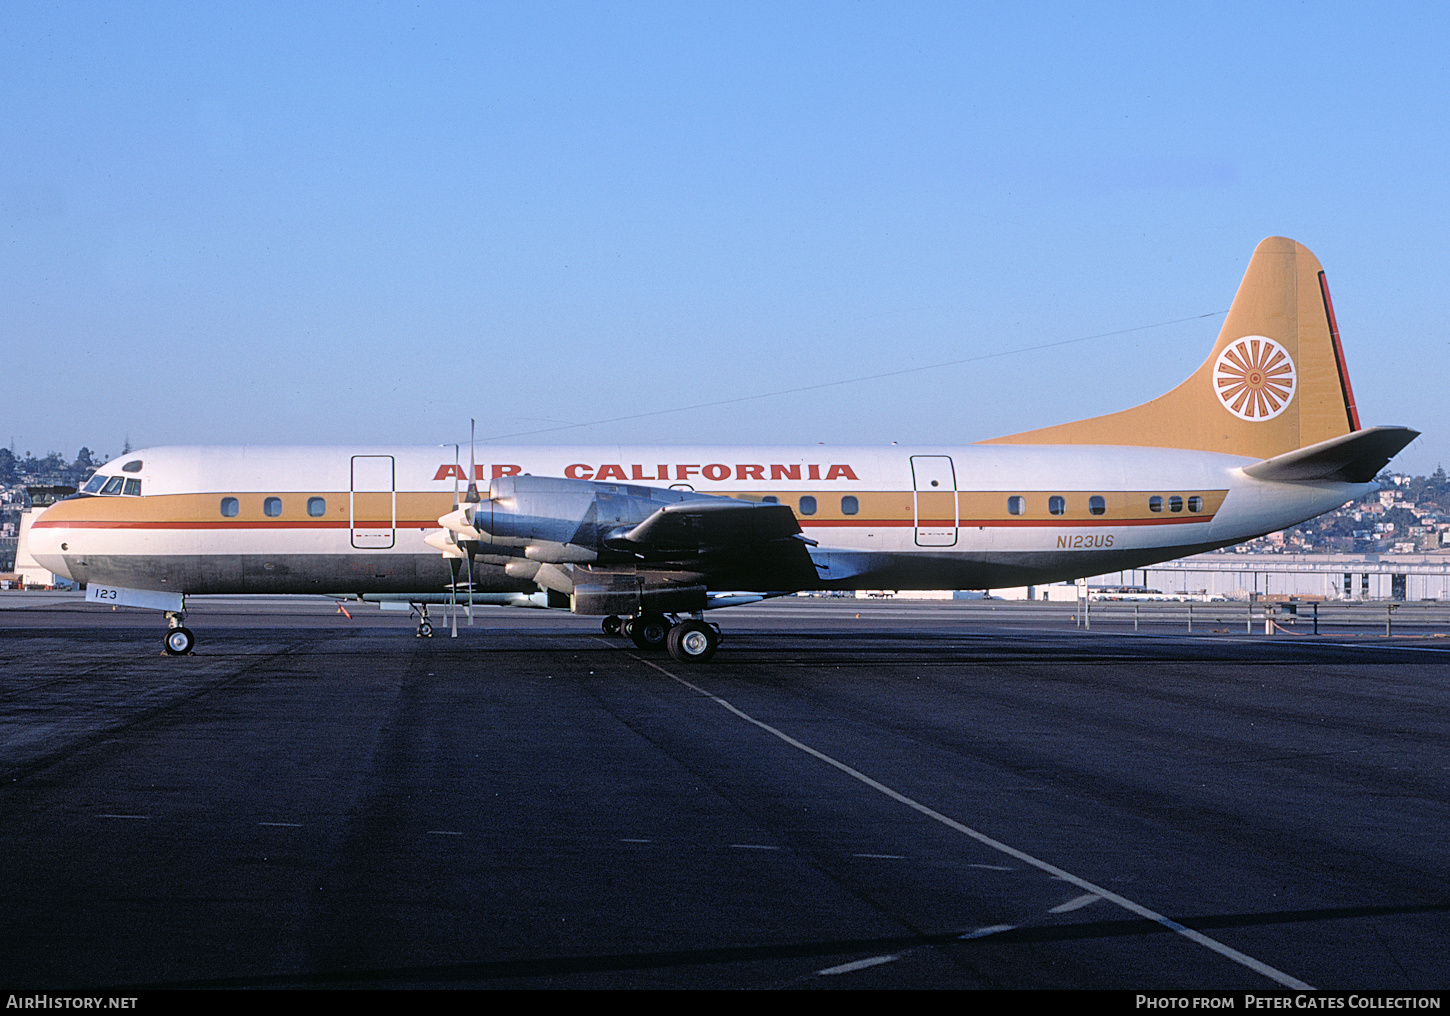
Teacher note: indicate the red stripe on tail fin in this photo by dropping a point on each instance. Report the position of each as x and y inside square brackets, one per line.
[1349, 406]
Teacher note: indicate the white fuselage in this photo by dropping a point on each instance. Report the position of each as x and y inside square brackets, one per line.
[353, 520]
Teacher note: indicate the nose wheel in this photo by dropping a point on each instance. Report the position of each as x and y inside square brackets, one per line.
[178, 640]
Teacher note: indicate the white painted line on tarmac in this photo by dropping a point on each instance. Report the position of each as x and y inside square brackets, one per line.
[1212, 944]
[993, 867]
[1075, 904]
[887, 857]
[1382, 645]
[846, 968]
[629, 840]
[991, 929]
[283, 825]
[753, 846]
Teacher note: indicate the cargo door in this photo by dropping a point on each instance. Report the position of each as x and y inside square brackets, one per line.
[934, 482]
[373, 502]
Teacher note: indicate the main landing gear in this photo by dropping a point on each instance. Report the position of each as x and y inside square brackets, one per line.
[689, 641]
[178, 640]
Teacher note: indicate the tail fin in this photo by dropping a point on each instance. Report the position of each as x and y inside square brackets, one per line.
[1275, 381]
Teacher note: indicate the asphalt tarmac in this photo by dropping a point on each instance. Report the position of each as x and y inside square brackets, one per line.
[931, 795]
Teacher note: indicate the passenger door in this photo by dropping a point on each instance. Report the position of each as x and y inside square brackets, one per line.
[373, 502]
[934, 483]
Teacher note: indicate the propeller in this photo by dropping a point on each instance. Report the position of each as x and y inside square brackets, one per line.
[457, 540]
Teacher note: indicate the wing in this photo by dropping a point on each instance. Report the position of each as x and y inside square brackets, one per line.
[733, 544]
[612, 538]
[718, 525]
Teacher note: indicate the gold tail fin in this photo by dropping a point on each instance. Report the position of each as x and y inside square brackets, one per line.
[1275, 381]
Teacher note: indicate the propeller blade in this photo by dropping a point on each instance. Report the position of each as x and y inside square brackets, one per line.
[453, 598]
[472, 464]
[457, 522]
[443, 542]
[468, 565]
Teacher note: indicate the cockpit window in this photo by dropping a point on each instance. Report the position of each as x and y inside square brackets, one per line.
[134, 466]
[94, 483]
[133, 487]
[113, 485]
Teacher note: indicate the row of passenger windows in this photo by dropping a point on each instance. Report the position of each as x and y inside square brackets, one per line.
[272, 507]
[1057, 505]
[1175, 503]
[849, 505]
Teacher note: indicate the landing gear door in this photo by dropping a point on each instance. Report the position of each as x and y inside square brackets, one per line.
[934, 482]
[373, 502]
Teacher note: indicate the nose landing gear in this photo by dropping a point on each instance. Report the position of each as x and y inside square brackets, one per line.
[178, 640]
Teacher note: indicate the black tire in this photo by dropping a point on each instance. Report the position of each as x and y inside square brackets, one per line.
[612, 625]
[693, 642]
[649, 631]
[178, 641]
[425, 630]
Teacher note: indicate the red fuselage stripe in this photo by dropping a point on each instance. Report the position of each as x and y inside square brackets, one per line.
[805, 523]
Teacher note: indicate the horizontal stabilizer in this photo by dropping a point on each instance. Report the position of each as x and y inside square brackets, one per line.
[1351, 458]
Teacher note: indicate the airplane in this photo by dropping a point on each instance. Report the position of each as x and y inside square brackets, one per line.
[1264, 435]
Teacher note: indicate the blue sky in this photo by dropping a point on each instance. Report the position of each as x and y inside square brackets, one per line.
[370, 222]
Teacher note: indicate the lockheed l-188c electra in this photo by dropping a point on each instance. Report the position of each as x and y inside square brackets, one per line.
[1265, 434]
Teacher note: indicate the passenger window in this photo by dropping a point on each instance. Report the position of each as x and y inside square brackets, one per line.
[113, 485]
[133, 487]
[134, 466]
[1195, 504]
[770, 499]
[1155, 503]
[1097, 505]
[272, 507]
[849, 505]
[316, 507]
[230, 507]
[94, 483]
[1056, 505]
[808, 505]
[1016, 504]
[1175, 503]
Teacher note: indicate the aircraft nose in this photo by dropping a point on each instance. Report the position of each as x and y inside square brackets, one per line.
[49, 541]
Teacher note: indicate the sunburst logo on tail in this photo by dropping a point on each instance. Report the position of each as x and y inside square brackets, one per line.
[1254, 378]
